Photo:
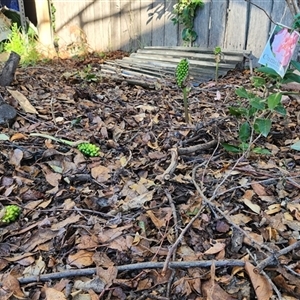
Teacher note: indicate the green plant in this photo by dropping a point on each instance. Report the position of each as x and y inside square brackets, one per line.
[84, 147]
[182, 74]
[185, 13]
[23, 44]
[258, 110]
[218, 54]
[9, 214]
[89, 149]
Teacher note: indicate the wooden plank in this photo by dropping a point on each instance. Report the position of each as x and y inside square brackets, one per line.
[156, 60]
[201, 24]
[197, 50]
[146, 35]
[125, 26]
[182, 54]
[258, 35]
[158, 23]
[217, 23]
[86, 27]
[281, 14]
[235, 30]
[103, 34]
[135, 28]
[115, 24]
[171, 30]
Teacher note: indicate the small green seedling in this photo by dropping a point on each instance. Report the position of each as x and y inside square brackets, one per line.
[218, 53]
[84, 147]
[9, 214]
[261, 104]
[182, 74]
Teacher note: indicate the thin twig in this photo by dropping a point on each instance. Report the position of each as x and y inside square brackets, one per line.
[175, 221]
[130, 267]
[262, 10]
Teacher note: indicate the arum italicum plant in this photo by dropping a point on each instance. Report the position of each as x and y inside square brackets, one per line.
[182, 74]
[86, 148]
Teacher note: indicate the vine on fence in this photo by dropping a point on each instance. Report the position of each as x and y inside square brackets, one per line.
[185, 12]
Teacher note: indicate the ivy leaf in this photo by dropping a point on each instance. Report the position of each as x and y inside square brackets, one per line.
[274, 100]
[244, 132]
[263, 126]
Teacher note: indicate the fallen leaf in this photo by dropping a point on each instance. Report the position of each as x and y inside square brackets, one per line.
[23, 101]
[261, 285]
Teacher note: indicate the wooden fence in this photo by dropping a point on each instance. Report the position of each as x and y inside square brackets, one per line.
[132, 24]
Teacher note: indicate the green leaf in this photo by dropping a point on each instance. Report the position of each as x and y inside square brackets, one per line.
[291, 77]
[244, 146]
[263, 126]
[258, 103]
[238, 111]
[244, 132]
[241, 92]
[258, 81]
[280, 109]
[259, 150]
[296, 146]
[273, 100]
[296, 64]
[268, 71]
[231, 148]
[251, 111]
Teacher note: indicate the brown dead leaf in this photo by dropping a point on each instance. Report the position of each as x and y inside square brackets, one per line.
[136, 202]
[17, 136]
[261, 285]
[88, 242]
[23, 101]
[70, 220]
[38, 237]
[101, 173]
[96, 285]
[259, 189]
[36, 269]
[53, 294]
[217, 247]
[10, 286]
[107, 275]
[81, 259]
[16, 158]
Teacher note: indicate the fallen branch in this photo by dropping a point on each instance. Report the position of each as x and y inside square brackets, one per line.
[192, 149]
[138, 266]
[171, 168]
[273, 259]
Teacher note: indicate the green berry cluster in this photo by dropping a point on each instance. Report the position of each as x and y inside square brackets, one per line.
[89, 149]
[182, 72]
[11, 213]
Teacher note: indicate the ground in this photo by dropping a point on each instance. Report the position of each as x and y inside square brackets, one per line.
[164, 211]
